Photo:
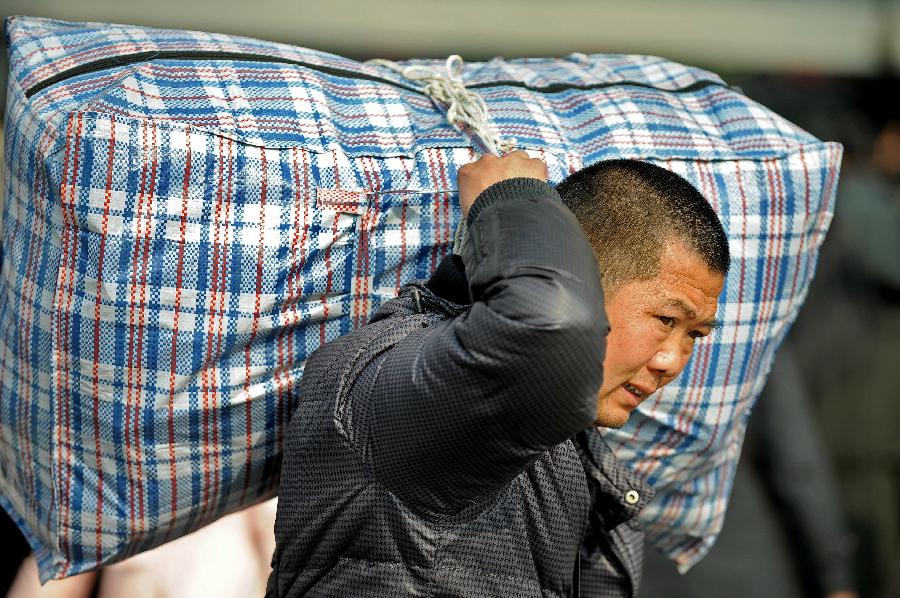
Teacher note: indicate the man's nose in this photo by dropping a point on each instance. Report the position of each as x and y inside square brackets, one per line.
[669, 360]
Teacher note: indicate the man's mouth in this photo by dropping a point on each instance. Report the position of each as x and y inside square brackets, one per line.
[634, 390]
[635, 394]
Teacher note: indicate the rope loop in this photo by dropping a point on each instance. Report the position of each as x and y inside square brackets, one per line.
[465, 108]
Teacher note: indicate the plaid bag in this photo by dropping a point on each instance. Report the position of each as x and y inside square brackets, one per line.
[188, 216]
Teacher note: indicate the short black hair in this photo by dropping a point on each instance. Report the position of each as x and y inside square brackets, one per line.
[629, 208]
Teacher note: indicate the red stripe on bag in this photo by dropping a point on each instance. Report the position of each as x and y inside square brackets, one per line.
[98, 300]
[448, 221]
[361, 272]
[137, 322]
[403, 242]
[295, 278]
[212, 299]
[770, 272]
[328, 273]
[436, 228]
[259, 271]
[179, 274]
[220, 333]
[281, 376]
[142, 326]
[132, 332]
[66, 289]
[805, 223]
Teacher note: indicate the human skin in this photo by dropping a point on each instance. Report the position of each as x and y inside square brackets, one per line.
[228, 558]
[654, 323]
[475, 177]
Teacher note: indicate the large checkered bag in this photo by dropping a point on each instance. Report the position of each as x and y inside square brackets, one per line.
[188, 216]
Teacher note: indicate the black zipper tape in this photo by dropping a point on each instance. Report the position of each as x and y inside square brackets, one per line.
[126, 59]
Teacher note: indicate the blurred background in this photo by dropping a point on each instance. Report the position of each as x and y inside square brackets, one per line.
[816, 506]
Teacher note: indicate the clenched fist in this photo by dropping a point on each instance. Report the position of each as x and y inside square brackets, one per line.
[475, 177]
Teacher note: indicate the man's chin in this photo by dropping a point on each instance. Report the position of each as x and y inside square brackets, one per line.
[611, 416]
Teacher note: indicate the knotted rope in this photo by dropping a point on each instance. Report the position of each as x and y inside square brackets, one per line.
[465, 108]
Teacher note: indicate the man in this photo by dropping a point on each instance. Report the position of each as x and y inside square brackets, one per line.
[433, 451]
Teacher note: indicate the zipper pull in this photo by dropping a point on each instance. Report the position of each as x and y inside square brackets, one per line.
[417, 299]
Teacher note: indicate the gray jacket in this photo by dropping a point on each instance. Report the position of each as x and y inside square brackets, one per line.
[433, 454]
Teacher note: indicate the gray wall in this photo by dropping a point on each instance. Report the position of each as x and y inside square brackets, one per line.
[829, 36]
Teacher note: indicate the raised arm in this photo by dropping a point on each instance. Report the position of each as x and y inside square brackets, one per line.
[460, 408]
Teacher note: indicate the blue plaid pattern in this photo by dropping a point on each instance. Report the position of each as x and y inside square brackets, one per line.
[181, 233]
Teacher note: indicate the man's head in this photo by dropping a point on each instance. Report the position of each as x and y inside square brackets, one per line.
[663, 256]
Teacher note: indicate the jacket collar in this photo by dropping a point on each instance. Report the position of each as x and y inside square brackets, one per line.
[618, 495]
[446, 292]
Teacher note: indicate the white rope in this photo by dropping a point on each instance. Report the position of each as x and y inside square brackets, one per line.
[465, 108]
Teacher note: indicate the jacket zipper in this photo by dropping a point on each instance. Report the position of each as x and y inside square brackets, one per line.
[126, 59]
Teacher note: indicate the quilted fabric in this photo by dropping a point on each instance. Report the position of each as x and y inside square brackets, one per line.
[189, 215]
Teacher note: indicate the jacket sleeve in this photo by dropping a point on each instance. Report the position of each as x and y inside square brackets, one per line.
[461, 407]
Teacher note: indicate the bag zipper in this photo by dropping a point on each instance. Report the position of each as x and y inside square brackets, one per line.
[126, 59]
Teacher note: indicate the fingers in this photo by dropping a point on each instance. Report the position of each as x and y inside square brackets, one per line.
[535, 165]
[475, 177]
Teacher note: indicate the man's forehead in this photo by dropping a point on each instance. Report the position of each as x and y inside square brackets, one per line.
[688, 283]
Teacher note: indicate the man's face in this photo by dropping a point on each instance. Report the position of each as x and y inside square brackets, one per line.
[653, 327]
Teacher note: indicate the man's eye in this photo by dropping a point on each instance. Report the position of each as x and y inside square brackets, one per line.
[696, 334]
[667, 321]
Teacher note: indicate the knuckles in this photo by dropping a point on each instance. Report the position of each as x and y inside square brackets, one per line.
[490, 168]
